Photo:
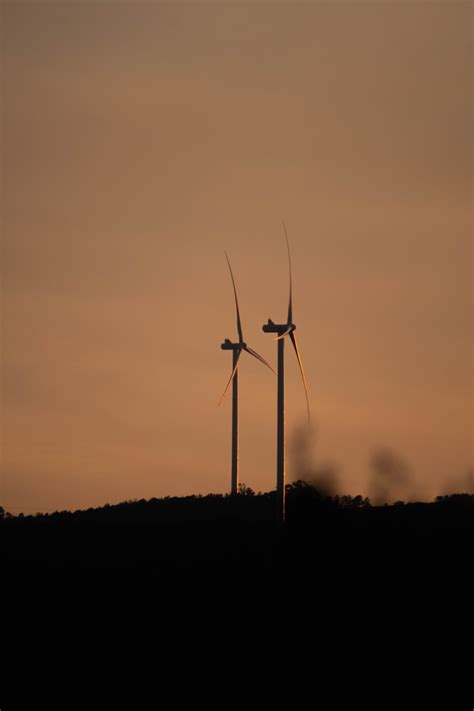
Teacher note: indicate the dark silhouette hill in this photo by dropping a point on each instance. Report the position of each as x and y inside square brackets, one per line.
[322, 536]
[341, 576]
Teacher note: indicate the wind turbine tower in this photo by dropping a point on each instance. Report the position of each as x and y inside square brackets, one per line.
[236, 348]
[282, 330]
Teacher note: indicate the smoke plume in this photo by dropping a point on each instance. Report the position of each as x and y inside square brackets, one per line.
[391, 478]
[323, 476]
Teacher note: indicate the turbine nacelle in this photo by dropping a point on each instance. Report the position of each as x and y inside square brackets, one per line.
[229, 346]
[282, 329]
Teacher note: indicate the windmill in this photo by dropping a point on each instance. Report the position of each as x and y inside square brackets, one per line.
[282, 330]
[236, 348]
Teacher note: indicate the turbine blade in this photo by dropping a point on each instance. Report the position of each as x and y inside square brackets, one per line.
[288, 330]
[239, 324]
[290, 302]
[230, 379]
[293, 340]
[259, 357]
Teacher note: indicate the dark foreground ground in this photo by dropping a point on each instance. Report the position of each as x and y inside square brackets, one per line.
[344, 537]
[213, 584]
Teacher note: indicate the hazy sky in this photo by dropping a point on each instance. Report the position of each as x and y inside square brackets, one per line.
[140, 140]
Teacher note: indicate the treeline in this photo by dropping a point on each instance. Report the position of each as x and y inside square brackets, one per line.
[302, 499]
[330, 536]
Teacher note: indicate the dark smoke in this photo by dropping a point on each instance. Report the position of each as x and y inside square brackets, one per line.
[303, 462]
[391, 478]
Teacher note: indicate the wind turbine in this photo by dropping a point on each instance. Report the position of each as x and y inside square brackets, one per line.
[236, 348]
[282, 330]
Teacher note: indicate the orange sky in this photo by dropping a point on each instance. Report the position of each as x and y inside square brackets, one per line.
[140, 140]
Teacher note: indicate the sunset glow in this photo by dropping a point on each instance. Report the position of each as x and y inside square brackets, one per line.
[140, 141]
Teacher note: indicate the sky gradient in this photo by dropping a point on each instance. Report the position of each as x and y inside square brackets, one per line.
[140, 140]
